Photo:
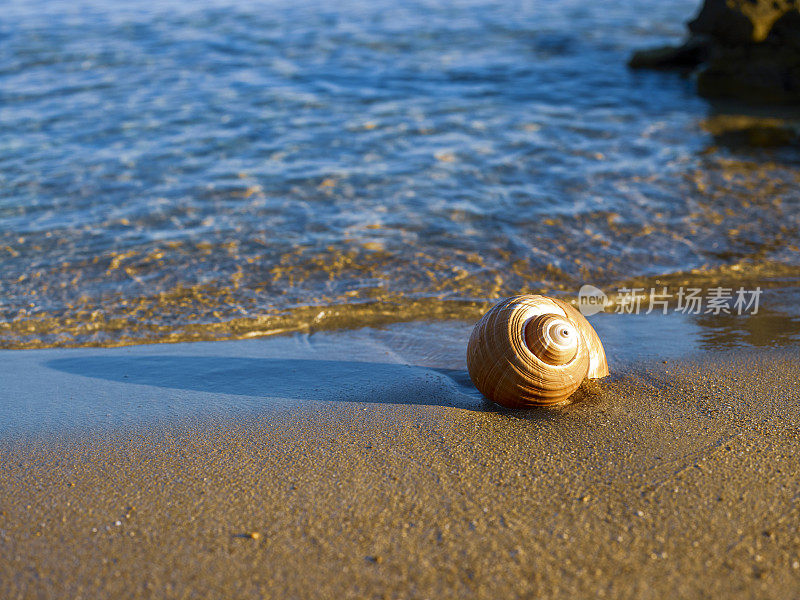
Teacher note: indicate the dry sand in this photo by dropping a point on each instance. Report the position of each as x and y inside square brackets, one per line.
[669, 480]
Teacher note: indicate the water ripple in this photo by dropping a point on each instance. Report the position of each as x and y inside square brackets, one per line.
[214, 169]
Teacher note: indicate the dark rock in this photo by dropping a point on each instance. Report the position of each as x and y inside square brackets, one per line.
[740, 21]
[744, 49]
[687, 56]
[785, 31]
[723, 23]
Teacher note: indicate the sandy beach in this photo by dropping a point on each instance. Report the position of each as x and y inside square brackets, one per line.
[674, 477]
[244, 246]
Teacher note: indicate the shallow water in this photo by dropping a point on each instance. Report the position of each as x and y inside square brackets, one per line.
[47, 391]
[225, 169]
[67, 391]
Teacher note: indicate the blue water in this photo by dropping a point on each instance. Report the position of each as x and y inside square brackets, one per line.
[191, 167]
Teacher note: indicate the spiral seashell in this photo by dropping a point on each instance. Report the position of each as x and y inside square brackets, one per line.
[533, 351]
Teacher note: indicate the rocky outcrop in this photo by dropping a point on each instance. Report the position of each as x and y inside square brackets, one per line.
[747, 49]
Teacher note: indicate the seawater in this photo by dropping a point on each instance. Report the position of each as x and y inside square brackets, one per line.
[213, 169]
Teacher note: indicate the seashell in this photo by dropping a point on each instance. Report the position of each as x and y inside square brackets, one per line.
[533, 351]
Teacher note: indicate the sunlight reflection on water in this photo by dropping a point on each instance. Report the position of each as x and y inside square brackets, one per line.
[216, 169]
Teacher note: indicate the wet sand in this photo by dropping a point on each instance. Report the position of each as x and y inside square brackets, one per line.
[669, 479]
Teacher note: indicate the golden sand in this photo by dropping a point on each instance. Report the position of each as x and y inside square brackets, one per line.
[678, 480]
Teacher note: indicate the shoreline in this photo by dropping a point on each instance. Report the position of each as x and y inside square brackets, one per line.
[99, 327]
[68, 390]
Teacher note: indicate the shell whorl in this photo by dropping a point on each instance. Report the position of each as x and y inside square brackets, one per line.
[533, 351]
[553, 339]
